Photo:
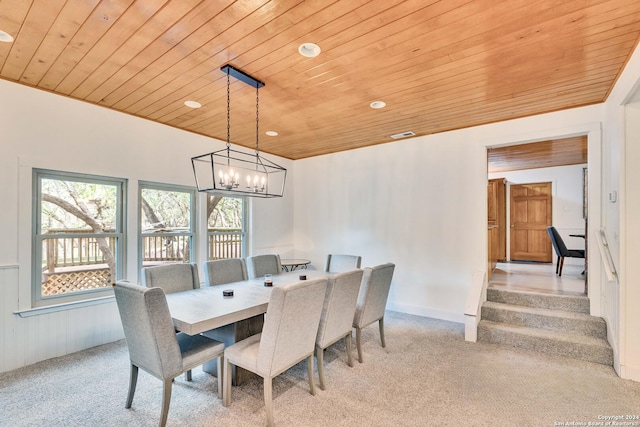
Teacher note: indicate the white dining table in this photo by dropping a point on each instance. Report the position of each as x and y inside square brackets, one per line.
[199, 310]
[229, 318]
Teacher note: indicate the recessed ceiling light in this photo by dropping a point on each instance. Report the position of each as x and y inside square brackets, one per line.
[378, 104]
[192, 104]
[271, 133]
[5, 37]
[310, 50]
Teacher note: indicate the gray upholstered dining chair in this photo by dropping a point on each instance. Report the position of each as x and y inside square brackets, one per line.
[222, 271]
[340, 263]
[171, 278]
[259, 265]
[153, 344]
[174, 277]
[337, 315]
[288, 337]
[372, 300]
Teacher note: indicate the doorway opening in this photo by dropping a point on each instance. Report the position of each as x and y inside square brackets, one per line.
[543, 185]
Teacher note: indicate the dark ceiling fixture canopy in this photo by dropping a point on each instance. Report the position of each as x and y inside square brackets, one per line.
[234, 172]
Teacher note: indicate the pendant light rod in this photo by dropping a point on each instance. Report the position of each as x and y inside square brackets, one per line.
[242, 76]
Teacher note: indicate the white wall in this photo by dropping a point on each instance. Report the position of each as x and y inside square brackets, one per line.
[420, 203]
[630, 292]
[38, 129]
[566, 189]
[620, 217]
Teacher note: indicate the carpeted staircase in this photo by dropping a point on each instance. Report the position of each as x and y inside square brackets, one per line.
[547, 323]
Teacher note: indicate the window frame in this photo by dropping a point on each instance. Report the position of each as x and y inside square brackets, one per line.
[37, 237]
[193, 227]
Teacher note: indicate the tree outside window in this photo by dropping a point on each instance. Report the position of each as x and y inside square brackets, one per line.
[78, 233]
[226, 227]
[166, 224]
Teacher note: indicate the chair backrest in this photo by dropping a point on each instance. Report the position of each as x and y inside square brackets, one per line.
[374, 291]
[221, 271]
[339, 307]
[342, 263]
[148, 329]
[259, 265]
[171, 277]
[291, 325]
[557, 242]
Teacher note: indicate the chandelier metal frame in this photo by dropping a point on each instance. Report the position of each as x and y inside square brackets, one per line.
[229, 171]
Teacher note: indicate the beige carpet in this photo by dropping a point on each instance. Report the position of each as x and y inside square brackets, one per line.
[427, 376]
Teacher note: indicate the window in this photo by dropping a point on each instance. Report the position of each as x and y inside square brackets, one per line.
[78, 236]
[167, 218]
[226, 227]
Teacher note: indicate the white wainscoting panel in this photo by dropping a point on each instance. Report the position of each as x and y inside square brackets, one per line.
[27, 340]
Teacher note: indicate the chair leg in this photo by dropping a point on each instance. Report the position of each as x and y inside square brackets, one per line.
[319, 358]
[381, 324]
[268, 400]
[226, 393]
[558, 265]
[220, 376]
[349, 356]
[561, 265]
[312, 384]
[166, 400]
[359, 343]
[133, 380]
[187, 375]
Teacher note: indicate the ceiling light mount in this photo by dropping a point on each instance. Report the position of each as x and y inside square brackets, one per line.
[376, 105]
[309, 50]
[5, 37]
[239, 173]
[192, 104]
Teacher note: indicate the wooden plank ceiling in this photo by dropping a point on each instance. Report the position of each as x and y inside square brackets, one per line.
[543, 154]
[438, 65]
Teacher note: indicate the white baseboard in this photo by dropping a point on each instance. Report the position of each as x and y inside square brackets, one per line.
[630, 372]
[428, 312]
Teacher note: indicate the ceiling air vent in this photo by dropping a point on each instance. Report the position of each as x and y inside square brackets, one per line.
[403, 135]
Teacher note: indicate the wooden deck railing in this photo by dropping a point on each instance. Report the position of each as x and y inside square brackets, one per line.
[58, 252]
[73, 262]
[78, 250]
[225, 244]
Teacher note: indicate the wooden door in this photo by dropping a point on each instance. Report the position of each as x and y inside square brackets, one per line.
[501, 219]
[497, 221]
[530, 217]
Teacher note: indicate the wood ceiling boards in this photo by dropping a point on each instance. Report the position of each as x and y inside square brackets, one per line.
[438, 65]
[543, 154]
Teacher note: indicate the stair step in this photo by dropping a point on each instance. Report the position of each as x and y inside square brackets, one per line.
[574, 303]
[576, 346]
[565, 321]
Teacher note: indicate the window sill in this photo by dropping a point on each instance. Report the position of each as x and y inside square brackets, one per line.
[37, 311]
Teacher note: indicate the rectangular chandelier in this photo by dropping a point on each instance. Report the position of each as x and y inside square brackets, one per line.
[239, 173]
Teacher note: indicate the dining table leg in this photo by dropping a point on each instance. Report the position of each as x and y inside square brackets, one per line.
[230, 334]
